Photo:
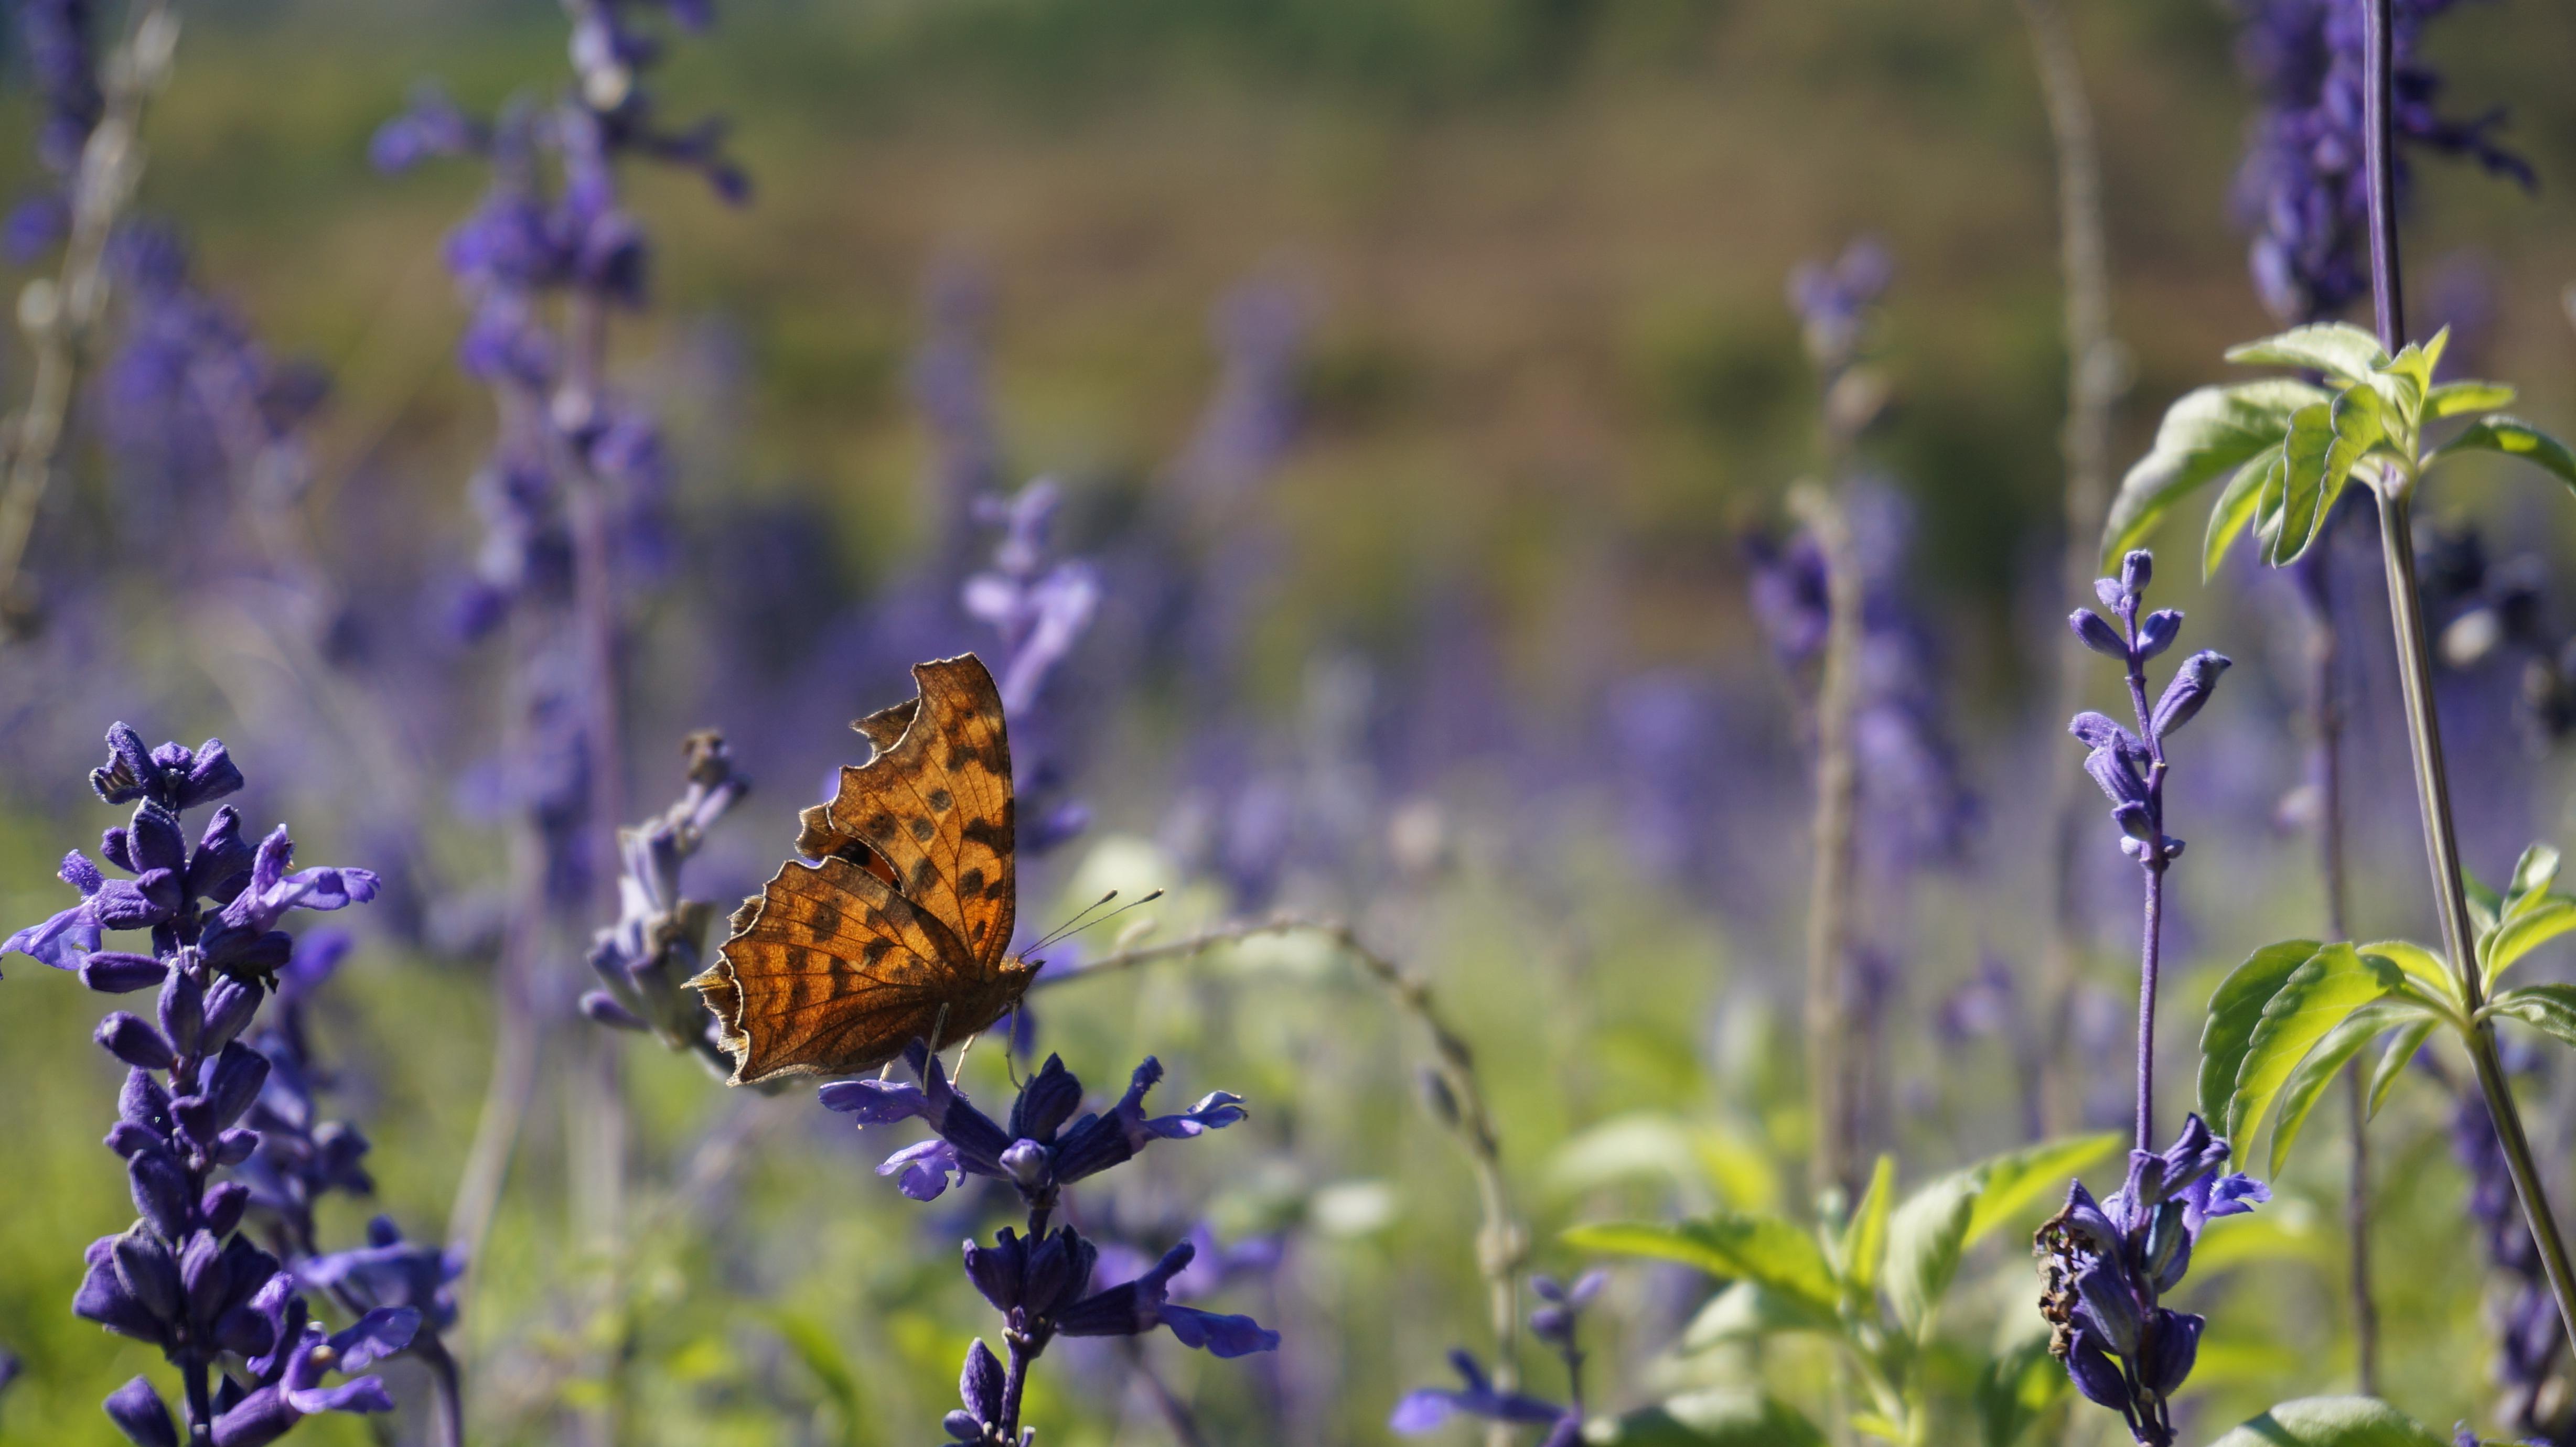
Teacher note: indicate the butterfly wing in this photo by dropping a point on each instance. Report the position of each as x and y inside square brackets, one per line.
[935, 804]
[834, 973]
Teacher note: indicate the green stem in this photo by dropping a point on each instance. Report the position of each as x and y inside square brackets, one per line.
[2441, 842]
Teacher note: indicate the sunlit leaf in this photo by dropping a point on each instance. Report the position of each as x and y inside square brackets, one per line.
[1865, 1244]
[2316, 998]
[2022, 1382]
[2205, 434]
[2454, 399]
[2235, 1008]
[2333, 1422]
[2549, 1008]
[1747, 1311]
[2393, 1061]
[1766, 1249]
[2236, 505]
[2519, 936]
[2533, 873]
[2325, 441]
[2010, 1183]
[2339, 348]
[2325, 1062]
[2420, 965]
[1924, 1241]
[1717, 1417]
[2515, 438]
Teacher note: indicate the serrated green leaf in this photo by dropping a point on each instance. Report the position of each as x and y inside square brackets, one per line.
[2394, 1060]
[2339, 348]
[1864, 1245]
[2533, 873]
[2520, 936]
[1925, 1239]
[2454, 399]
[1755, 1248]
[2205, 434]
[2515, 438]
[2420, 965]
[2235, 1008]
[2315, 999]
[2325, 1062]
[1716, 1417]
[2332, 1422]
[2011, 1182]
[2236, 505]
[1748, 1310]
[2548, 1008]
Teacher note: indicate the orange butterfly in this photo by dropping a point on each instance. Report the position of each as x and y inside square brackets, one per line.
[901, 928]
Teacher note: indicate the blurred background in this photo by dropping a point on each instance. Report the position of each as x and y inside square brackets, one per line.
[1418, 387]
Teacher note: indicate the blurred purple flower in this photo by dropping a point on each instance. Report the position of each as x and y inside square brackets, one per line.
[2301, 189]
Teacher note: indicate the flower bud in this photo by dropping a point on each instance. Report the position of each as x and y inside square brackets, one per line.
[2097, 634]
[137, 1044]
[2135, 571]
[2191, 687]
[2157, 631]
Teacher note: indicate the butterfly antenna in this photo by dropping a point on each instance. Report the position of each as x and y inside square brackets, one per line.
[1080, 922]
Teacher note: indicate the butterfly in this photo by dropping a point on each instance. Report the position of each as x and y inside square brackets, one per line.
[900, 927]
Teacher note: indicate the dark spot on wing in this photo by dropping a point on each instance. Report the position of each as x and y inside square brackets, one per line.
[940, 800]
[876, 950]
[827, 921]
[923, 874]
[970, 884]
[922, 830]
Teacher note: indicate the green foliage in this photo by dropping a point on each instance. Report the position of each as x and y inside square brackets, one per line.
[2548, 1008]
[1718, 1417]
[2212, 430]
[2333, 1422]
[2323, 1063]
[2020, 1384]
[2515, 438]
[2234, 1011]
[1874, 1286]
[2290, 447]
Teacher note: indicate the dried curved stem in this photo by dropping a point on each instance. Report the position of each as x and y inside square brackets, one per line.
[61, 316]
[1502, 1245]
[1830, 892]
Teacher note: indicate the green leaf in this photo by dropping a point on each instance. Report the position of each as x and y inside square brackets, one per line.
[2515, 438]
[2022, 1382]
[2420, 965]
[2549, 1008]
[2235, 1008]
[2333, 1422]
[2325, 1062]
[1748, 1311]
[2393, 1060]
[2532, 875]
[1717, 1417]
[2261, 475]
[2340, 348]
[1754, 1248]
[819, 1350]
[2206, 433]
[2486, 907]
[2518, 937]
[2325, 440]
[2011, 1182]
[1865, 1244]
[2453, 399]
[1925, 1239]
[2315, 999]
[2403, 380]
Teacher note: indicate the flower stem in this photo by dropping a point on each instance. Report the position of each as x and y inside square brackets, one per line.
[2414, 671]
[1013, 1385]
[2093, 384]
[2150, 959]
[1829, 895]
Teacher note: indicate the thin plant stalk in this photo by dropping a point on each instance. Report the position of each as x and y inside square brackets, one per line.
[2152, 860]
[2326, 714]
[1502, 1244]
[2094, 376]
[2414, 669]
[1830, 888]
[61, 315]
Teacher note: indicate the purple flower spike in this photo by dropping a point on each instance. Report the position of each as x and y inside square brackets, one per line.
[138, 1412]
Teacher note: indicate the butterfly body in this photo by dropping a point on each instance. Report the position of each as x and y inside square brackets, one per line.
[900, 927]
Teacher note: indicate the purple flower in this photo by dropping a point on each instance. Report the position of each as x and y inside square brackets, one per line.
[2109, 1264]
[1426, 1409]
[1039, 1153]
[659, 938]
[2302, 189]
[1833, 300]
[390, 1272]
[290, 1383]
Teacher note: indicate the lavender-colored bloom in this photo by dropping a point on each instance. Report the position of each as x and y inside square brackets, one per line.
[1833, 300]
[59, 39]
[390, 1271]
[2302, 189]
[659, 940]
[1039, 1153]
[180, 1277]
[2109, 1264]
[2128, 764]
[1426, 1409]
